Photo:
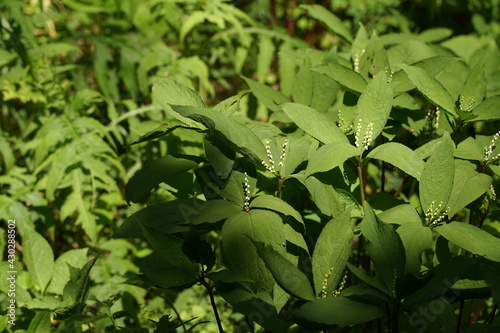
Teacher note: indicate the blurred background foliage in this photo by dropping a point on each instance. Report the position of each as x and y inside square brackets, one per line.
[75, 79]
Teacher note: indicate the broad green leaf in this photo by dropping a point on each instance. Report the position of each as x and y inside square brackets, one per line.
[370, 280]
[442, 279]
[430, 88]
[76, 290]
[257, 225]
[314, 123]
[471, 238]
[231, 189]
[417, 319]
[226, 276]
[491, 271]
[344, 76]
[326, 197]
[154, 173]
[75, 258]
[339, 311]
[331, 253]
[469, 149]
[400, 156]
[159, 272]
[264, 57]
[270, 202]
[40, 323]
[488, 110]
[436, 181]
[330, 156]
[373, 109]
[474, 89]
[401, 214]
[267, 95]
[416, 238]
[385, 248]
[434, 35]
[468, 185]
[169, 247]
[232, 133]
[38, 257]
[286, 274]
[312, 88]
[160, 131]
[330, 21]
[169, 92]
[216, 155]
[433, 66]
[257, 306]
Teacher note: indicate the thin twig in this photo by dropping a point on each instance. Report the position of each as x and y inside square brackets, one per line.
[212, 301]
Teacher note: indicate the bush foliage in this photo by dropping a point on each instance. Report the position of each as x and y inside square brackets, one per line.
[207, 166]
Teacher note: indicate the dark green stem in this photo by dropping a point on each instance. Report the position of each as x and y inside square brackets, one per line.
[212, 301]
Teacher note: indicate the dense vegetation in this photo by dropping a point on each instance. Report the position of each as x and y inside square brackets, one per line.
[207, 166]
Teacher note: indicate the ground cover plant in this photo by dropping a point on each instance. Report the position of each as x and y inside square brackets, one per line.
[344, 182]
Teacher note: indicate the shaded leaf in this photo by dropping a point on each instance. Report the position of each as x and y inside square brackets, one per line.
[154, 173]
[400, 156]
[330, 156]
[314, 123]
[331, 253]
[471, 238]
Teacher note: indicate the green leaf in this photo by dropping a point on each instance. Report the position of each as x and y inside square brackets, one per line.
[328, 200]
[433, 66]
[330, 156]
[468, 185]
[474, 89]
[339, 311]
[469, 149]
[416, 238]
[169, 247]
[257, 306]
[159, 272]
[286, 274]
[270, 202]
[436, 181]
[331, 253]
[314, 123]
[75, 258]
[267, 95]
[38, 257]
[471, 238]
[488, 110]
[400, 156]
[434, 35]
[222, 160]
[344, 76]
[385, 248]
[168, 92]
[76, 290]
[401, 214]
[374, 107]
[491, 271]
[256, 225]
[232, 133]
[331, 22]
[154, 173]
[430, 88]
[160, 131]
[442, 278]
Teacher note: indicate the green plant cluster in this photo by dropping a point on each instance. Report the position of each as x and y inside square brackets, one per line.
[350, 187]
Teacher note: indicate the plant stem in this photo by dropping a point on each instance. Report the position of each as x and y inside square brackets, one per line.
[459, 321]
[212, 301]
[361, 181]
